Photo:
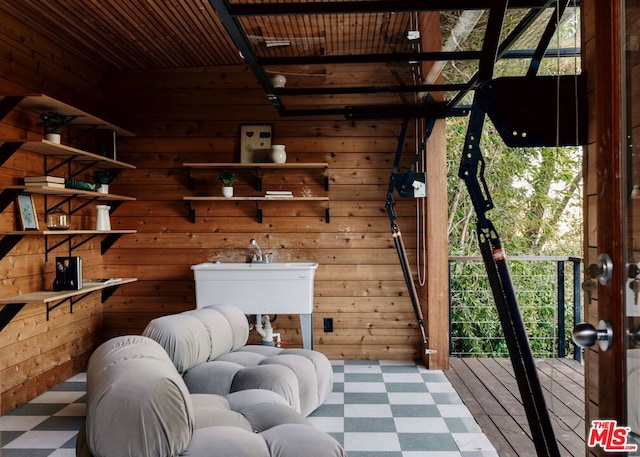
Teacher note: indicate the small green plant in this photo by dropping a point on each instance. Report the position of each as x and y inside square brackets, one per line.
[227, 177]
[105, 176]
[53, 122]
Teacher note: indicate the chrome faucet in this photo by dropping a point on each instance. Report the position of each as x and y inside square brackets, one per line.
[259, 257]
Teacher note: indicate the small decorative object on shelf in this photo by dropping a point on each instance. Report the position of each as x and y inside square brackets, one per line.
[58, 219]
[68, 274]
[53, 124]
[227, 178]
[278, 153]
[102, 219]
[81, 185]
[27, 212]
[103, 179]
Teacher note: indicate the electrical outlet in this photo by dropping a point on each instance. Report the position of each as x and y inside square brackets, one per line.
[328, 324]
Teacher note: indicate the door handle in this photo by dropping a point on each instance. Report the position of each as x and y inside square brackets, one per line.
[586, 335]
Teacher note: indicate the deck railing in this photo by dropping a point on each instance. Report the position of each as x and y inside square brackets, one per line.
[548, 292]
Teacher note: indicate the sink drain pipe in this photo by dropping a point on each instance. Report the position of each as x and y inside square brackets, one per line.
[265, 330]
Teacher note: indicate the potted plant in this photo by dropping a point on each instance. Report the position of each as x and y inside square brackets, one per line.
[227, 178]
[53, 124]
[103, 178]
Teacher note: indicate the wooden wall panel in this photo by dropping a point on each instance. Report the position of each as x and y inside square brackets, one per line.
[37, 353]
[177, 118]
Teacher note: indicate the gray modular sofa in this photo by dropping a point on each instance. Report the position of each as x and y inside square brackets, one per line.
[208, 347]
[138, 405]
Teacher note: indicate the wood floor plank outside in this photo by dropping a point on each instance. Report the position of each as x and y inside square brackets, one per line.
[489, 390]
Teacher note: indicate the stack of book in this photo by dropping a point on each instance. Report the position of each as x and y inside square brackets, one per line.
[279, 194]
[47, 181]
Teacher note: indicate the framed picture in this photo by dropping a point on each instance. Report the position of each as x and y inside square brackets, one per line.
[255, 143]
[27, 212]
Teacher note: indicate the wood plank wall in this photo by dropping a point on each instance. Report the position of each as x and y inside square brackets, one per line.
[195, 116]
[36, 353]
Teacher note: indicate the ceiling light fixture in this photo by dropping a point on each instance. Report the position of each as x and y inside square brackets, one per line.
[276, 43]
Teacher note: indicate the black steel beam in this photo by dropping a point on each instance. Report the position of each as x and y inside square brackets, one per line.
[370, 58]
[405, 57]
[417, 111]
[515, 34]
[368, 89]
[545, 39]
[235, 31]
[371, 6]
[382, 111]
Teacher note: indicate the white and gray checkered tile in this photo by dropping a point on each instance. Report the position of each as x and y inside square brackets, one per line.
[377, 409]
[398, 409]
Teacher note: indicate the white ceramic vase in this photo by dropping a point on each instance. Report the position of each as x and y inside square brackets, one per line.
[103, 189]
[227, 191]
[102, 220]
[278, 153]
[53, 137]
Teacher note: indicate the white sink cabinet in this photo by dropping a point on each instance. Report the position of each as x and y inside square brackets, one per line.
[260, 288]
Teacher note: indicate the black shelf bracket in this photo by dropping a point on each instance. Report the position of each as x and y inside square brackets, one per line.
[72, 301]
[258, 213]
[192, 213]
[7, 243]
[8, 312]
[7, 149]
[8, 103]
[108, 242]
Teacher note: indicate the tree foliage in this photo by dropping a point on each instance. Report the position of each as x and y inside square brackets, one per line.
[537, 196]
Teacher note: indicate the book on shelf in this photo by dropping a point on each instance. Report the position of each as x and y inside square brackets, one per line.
[279, 193]
[46, 179]
[55, 185]
[68, 273]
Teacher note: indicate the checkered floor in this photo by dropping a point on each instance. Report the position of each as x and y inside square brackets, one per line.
[377, 409]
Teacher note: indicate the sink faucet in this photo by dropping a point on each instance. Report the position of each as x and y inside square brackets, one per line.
[259, 257]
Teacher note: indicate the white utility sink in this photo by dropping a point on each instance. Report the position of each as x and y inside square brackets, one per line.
[259, 288]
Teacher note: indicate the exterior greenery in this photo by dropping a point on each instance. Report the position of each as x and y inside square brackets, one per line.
[537, 193]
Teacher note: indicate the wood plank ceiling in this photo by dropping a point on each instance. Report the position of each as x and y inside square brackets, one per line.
[299, 38]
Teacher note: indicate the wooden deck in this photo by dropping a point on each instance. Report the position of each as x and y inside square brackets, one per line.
[488, 388]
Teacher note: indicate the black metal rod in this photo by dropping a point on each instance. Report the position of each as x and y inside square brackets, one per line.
[561, 308]
[517, 342]
[408, 277]
[577, 305]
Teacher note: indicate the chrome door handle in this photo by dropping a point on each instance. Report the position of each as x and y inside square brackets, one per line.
[586, 335]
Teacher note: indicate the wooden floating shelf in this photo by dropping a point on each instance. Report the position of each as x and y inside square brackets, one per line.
[11, 306]
[68, 192]
[67, 232]
[42, 103]
[256, 200]
[48, 148]
[293, 165]
[46, 296]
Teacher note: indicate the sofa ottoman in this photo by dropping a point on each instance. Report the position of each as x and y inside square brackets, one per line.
[208, 347]
[139, 406]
